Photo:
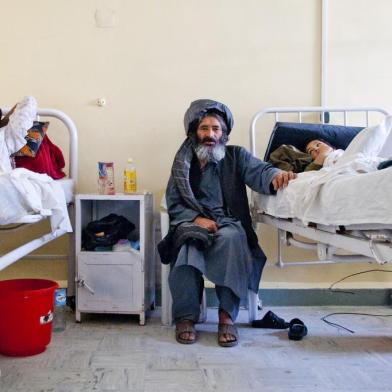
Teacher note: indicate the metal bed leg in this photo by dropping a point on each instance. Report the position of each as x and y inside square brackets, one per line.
[71, 254]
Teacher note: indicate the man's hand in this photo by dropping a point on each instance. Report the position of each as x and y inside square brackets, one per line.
[208, 224]
[281, 180]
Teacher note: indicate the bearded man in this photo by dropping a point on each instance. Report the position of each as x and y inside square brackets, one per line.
[207, 190]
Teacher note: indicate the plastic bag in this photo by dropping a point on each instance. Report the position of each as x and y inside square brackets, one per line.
[106, 232]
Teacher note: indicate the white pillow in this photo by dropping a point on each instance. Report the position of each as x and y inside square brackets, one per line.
[386, 151]
[370, 141]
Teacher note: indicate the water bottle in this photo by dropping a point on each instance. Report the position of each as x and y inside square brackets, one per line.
[130, 177]
[60, 299]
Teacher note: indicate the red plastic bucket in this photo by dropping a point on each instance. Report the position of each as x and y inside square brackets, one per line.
[26, 314]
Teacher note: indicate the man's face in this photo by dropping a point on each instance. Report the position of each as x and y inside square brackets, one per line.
[209, 131]
[210, 140]
[317, 147]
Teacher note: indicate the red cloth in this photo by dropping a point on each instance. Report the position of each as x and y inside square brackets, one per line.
[49, 160]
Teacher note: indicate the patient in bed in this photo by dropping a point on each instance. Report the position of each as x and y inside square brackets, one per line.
[368, 151]
[324, 154]
[318, 153]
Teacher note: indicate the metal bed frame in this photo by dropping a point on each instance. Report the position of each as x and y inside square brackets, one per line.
[368, 243]
[24, 250]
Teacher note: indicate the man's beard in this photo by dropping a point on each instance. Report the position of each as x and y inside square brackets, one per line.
[210, 153]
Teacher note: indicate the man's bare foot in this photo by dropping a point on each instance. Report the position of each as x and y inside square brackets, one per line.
[227, 336]
[186, 332]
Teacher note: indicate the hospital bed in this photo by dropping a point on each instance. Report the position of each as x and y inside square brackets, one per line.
[335, 240]
[67, 187]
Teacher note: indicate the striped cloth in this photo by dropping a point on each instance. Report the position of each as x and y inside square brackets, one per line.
[180, 172]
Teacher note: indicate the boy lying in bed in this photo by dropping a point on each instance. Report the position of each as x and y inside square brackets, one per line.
[367, 149]
[325, 155]
[318, 153]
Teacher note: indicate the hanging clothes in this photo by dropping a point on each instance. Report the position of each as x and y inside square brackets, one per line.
[49, 160]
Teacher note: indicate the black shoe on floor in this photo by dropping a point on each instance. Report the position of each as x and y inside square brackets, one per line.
[270, 320]
[297, 329]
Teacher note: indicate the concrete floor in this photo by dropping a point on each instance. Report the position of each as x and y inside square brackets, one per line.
[114, 353]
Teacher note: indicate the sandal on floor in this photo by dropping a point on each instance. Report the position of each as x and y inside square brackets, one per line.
[271, 321]
[183, 327]
[228, 329]
[297, 329]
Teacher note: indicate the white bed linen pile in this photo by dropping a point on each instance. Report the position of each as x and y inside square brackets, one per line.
[352, 191]
[24, 192]
[12, 136]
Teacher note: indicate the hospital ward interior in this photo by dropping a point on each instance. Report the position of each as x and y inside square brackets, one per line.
[196, 196]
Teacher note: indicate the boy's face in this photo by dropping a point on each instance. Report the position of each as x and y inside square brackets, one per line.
[317, 147]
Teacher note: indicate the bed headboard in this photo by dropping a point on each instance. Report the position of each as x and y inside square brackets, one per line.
[73, 137]
[322, 111]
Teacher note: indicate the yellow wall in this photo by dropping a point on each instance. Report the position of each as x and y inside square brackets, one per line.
[161, 54]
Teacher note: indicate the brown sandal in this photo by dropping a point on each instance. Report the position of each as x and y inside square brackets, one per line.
[229, 329]
[183, 327]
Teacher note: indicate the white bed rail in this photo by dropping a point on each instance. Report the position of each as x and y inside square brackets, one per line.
[27, 248]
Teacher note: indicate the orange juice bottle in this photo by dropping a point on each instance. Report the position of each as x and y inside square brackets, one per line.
[130, 177]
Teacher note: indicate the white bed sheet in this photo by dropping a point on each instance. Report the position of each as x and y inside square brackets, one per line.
[28, 197]
[345, 199]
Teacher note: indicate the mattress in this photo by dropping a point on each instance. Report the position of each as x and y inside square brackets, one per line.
[67, 185]
[334, 199]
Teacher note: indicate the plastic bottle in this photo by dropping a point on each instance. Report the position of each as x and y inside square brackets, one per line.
[60, 299]
[130, 177]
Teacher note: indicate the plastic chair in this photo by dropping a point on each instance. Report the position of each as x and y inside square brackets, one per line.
[166, 313]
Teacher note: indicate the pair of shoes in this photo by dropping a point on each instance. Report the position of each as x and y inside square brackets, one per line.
[230, 329]
[184, 327]
[297, 329]
[270, 320]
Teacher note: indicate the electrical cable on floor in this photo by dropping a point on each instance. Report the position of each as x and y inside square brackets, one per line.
[336, 325]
